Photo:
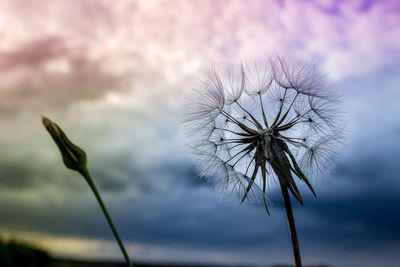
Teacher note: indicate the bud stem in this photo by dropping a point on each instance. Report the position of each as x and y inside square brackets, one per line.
[89, 180]
[292, 225]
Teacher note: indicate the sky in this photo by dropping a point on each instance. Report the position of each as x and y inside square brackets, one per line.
[113, 75]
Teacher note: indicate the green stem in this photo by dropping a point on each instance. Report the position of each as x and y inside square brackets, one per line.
[89, 180]
[292, 225]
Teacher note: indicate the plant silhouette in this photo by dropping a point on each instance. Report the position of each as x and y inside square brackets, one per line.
[13, 253]
[275, 120]
[75, 158]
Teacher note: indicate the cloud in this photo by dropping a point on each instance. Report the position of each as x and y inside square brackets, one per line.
[110, 47]
[47, 73]
[112, 74]
[33, 54]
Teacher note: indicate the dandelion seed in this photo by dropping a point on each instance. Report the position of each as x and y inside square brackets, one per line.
[277, 120]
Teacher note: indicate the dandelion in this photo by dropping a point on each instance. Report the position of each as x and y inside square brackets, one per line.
[277, 120]
[75, 159]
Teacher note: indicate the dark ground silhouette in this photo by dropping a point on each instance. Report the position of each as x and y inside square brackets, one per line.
[13, 254]
[18, 254]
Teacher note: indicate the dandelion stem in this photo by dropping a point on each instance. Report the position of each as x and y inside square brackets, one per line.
[89, 180]
[292, 225]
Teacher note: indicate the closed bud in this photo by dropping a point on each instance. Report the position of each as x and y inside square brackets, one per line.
[73, 156]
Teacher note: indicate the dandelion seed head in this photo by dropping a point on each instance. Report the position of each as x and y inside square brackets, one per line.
[263, 122]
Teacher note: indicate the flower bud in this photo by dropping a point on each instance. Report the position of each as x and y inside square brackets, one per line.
[74, 157]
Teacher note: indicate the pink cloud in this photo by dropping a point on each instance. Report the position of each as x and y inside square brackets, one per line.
[163, 43]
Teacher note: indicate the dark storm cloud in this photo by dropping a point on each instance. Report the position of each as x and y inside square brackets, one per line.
[155, 197]
[13, 176]
[369, 213]
[32, 175]
[364, 217]
[175, 207]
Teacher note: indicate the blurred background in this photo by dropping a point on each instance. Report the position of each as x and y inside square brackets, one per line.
[113, 75]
